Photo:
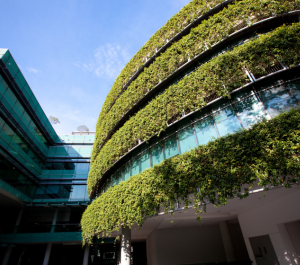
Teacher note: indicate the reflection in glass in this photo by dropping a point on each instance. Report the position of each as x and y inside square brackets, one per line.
[295, 89]
[135, 166]
[205, 130]
[226, 121]
[170, 147]
[251, 111]
[186, 139]
[278, 100]
[156, 154]
[79, 192]
[145, 160]
[126, 172]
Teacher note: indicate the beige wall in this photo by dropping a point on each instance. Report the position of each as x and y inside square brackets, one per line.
[192, 245]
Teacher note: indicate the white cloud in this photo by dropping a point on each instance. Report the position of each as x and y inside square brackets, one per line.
[31, 69]
[108, 60]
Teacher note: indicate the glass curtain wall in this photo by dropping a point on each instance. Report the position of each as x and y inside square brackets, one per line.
[244, 109]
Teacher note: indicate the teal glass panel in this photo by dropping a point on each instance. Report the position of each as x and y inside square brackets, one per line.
[118, 177]
[135, 166]
[82, 168]
[61, 151]
[26, 119]
[186, 139]
[126, 171]
[3, 86]
[226, 121]
[295, 89]
[170, 147]
[156, 154]
[205, 130]
[78, 192]
[114, 180]
[278, 100]
[145, 160]
[10, 97]
[251, 111]
[18, 109]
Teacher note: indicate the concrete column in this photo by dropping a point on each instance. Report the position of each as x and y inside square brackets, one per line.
[290, 251]
[47, 254]
[54, 220]
[227, 241]
[7, 255]
[86, 255]
[125, 246]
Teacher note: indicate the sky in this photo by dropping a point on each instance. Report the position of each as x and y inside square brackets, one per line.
[71, 51]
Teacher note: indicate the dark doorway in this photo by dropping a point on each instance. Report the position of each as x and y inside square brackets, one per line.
[263, 250]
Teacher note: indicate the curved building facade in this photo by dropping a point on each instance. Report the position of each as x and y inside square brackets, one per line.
[202, 116]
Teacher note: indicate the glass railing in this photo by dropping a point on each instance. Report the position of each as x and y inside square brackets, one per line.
[245, 108]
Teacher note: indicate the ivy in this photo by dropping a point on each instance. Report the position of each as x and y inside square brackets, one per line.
[208, 33]
[177, 23]
[268, 152]
[221, 75]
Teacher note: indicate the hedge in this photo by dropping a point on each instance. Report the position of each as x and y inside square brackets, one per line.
[221, 75]
[268, 152]
[205, 35]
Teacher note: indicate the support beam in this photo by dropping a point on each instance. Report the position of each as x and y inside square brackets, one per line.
[47, 254]
[86, 255]
[7, 255]
[125, 246]
[227, 241]
[18, 221]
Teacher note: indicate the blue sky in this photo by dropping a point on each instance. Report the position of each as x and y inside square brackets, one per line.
[71, 51]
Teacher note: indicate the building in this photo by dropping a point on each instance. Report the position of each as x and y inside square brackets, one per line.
[188, 124]
[42, 180]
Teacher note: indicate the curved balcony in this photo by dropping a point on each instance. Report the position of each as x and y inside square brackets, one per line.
[238, 35]
[248, 105]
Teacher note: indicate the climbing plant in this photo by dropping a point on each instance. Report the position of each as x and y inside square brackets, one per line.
[268, 152]
[221, 75]
[178, 22]
[204, 36]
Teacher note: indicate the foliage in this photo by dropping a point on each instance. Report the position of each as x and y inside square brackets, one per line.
[53, 120]
[208, 33]
[221, 75]
[268, 152]
[176, 24]
[83, 128]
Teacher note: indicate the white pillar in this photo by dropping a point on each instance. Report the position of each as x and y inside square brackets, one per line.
[19, 218]
[47, 254]
[125, 246]
[290, 251]
[7, 255]
[54, 220]
[86, 255]
[227, 241]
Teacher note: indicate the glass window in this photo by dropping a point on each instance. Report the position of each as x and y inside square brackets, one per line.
[135, 166]
[119, 178]
[82, 168]
[205, 130]
[145, 160]
[78, 192]
[251, 111]
[186, 139]
[277, 100]
[156, 154]
[226, 121]
[170, 147]
[295, 89]
[126, 171]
